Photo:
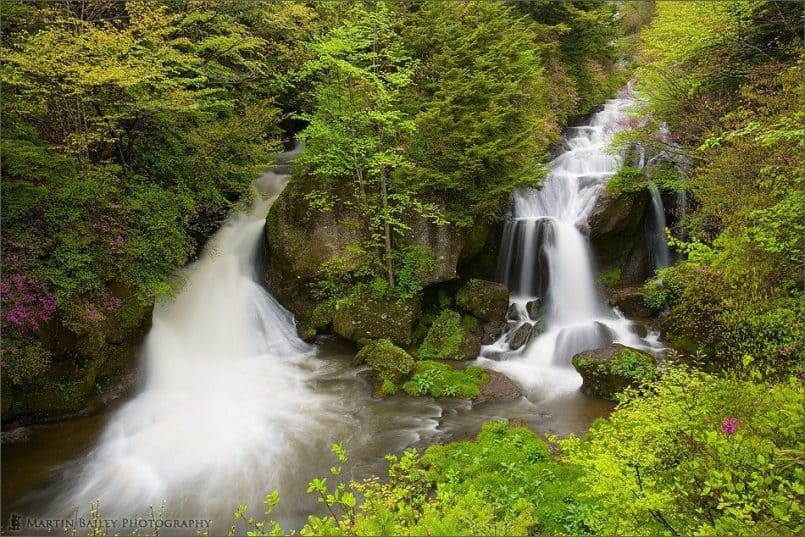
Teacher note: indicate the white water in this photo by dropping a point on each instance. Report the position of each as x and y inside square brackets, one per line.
[225, 399]
[658, 243]
[545, 255]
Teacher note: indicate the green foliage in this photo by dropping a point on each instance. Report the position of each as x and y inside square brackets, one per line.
[632, 364]
[445, 338]
[127, 135]
[481, 108]
[730, 93]
[503, 483]
[610, 276]
[697, 454]
[437, 380]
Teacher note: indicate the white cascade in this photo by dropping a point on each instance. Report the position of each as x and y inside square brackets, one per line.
[225, 406]
[544, 255]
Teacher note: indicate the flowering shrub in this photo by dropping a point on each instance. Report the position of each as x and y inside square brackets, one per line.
[695, 454]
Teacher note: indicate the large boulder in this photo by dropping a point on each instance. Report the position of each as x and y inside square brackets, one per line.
[89, 366]
[368, 317]
[301, 239]
[616, 225]
[449, 338]
[609, 370]
[630, 301]
[484, 299]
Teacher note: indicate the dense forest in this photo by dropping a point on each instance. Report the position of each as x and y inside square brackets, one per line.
[132, 130]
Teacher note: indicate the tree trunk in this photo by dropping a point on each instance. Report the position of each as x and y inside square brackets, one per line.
[387, 230]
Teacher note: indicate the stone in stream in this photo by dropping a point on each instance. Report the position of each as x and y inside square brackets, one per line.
[537, 329]
[533, 307]
[499, 387]
[631, 302]
[513, 314]
[609, 370]
[520, 336]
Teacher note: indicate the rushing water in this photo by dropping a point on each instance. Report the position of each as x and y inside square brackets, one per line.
[546, 257]
[232, 405]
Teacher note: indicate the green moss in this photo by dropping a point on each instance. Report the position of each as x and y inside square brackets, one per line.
[441, 380]
[483, 299]
[445, 338]
[633, 364]
[610, 276]
[390, 364]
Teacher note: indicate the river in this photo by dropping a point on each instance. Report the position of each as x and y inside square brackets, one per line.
[230, 404]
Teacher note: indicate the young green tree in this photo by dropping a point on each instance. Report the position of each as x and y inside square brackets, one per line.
[358, 131]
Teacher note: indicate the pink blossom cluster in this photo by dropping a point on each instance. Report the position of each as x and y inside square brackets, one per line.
[730, 426]
[26, 302]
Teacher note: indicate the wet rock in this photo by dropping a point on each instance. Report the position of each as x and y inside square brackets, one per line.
[520, 336]
[513, 313]
[533, 308]
[639, 329]
[537, 329]
[484, 299]
[609, 370]
[368, 317]
[499, 387]
[389, 363]
[616, 224]
[492, 331]
[630, 301]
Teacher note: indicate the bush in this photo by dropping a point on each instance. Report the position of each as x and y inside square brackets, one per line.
[697, 454]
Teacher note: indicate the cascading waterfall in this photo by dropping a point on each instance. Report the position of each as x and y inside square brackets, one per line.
[658, 243]
[225, 401]
[545, 257]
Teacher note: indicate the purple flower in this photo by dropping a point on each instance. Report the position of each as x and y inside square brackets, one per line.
[730, 426]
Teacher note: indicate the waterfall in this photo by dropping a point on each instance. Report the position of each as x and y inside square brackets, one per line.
[658, 243]
[224, 403]
[544, 255]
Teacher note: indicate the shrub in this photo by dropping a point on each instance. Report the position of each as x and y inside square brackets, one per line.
[697, 454]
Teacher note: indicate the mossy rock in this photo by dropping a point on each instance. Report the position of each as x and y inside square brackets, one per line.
[437, 379]
[484, 299]
[447, 338]
[390, 364]
[609, 370]
[365, 316]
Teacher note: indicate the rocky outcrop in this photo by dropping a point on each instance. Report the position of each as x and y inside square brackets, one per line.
[498, 388]
[609, 370]
[88, 368]
[630, 301]
[301, 239]
[616, 226]
[484, 299]
[368, 317]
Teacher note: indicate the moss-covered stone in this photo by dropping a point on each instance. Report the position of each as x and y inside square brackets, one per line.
[484, 299]
[365, 316]
[438, 379]
[609, 370]
[445, 339]
[390, 364]
[87, 367]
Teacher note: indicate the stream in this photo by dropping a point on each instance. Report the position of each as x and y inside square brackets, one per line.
[231, 404]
